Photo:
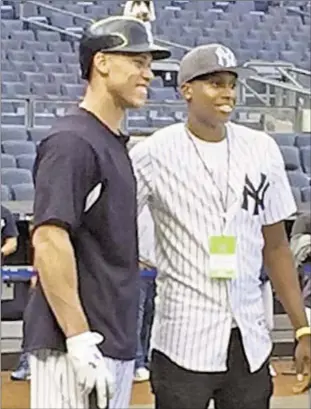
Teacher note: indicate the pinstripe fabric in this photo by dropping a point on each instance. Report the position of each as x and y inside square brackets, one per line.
[146, 236]
[194, 313]
[53, 382]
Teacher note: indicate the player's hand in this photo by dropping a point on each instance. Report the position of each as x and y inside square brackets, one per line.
[303, 364]
[90, 366]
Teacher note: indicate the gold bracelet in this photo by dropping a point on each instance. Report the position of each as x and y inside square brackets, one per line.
[303, 331]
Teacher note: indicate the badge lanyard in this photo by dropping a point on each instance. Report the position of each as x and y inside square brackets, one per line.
[223, 197]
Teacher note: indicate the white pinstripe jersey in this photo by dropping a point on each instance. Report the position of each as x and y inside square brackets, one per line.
[194, 313]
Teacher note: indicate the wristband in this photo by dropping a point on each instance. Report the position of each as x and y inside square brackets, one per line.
[302, 331]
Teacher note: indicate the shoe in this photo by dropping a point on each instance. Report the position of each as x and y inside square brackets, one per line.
[22, 373]
[141, 375]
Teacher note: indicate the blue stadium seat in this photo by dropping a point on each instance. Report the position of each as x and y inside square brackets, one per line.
[25, 161]
[306, 194]
[5, 193]
[157, 82]
[298, 179]
[19, 55]
[47, 90]
[63, 46]
[73, 90]
[48, 36]
[303, 140]
[13, 134]
[306, 159]
[10, 177]
[291, 157]
[46, 57]
[23, 191]
[9, 76]
[51, 67]
[60, 78]
[7, 161]
[61, 20]
[38, 77]
[21, 66]
[284, 139]
[68, 58]
[32, 46]
[37, 134]
[11, 25]
[22, 35]
[162, 94]
[15, 89]
[16, 148]
[9, 44]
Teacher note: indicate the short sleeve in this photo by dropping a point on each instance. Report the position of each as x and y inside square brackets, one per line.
[64, 174]
[9, 228]
[143, 170]
[280, 203]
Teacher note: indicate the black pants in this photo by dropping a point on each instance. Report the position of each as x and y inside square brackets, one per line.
[175, 387]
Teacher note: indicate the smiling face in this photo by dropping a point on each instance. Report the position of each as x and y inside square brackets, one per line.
[126, 77]
[211, 98]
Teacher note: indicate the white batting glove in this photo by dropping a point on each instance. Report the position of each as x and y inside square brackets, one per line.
[90, 366]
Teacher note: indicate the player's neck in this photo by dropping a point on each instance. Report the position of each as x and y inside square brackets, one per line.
[104, 108]
[205, 132]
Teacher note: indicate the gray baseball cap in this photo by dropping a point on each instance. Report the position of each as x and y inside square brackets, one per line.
[208, 59]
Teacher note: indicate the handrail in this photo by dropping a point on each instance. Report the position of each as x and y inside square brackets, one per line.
[300, 13]
[56, 9]
[50, 27]
[171, 44]
[278, 84]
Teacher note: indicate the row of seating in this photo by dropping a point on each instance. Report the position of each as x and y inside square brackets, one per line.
[17, 184]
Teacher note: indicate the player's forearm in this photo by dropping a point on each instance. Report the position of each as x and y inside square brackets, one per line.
[282, 272]
[9, 246]
[56, 266]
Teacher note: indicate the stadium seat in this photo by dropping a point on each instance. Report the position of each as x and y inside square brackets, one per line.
[284, 139]
[34, 46]
[63, 46]
[48, 36]
[37, 134]
[291, 157]
[22, 35]
[306, 159]
[16, 148]
[51, 67]
[74, 91]
[45, 90]
[10, 177]
[21, 66]
[19, 55]
[45, 57]
[162, 94]
[37, 77]
[23, 191]
[7, 76]
[60, 78]
[5, 193]
[306, 194]
[7, 161]
[298, 179]
[25, 161]
[9, 44]
[303, 140]
[13, 134]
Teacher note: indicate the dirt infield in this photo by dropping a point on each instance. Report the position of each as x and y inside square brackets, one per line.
[15, 395]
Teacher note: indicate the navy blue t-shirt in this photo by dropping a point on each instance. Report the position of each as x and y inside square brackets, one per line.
[84, 182]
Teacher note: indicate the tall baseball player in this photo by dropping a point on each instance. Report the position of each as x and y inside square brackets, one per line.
[218, 193]
[80, 322]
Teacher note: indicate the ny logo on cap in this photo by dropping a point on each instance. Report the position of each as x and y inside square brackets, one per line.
[225, 57]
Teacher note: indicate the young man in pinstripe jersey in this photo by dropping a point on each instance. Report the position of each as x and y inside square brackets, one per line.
[218, 193]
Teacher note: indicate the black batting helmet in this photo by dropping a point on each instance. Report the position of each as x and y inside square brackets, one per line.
[117, 35]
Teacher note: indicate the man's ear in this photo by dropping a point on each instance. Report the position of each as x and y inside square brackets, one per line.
[186, 91]
[101, 63]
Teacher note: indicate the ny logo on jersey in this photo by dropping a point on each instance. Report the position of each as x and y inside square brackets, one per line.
[225, 57]
[258, 195]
